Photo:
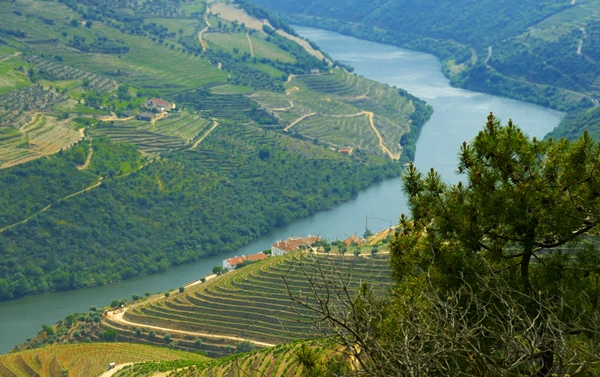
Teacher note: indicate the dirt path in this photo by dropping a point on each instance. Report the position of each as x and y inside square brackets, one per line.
[215, 124]
[118, 318]
[201, 32]
[579, 47]
[370, 116]
[88, 159]
[157, 118]
[489, 55]
[9, 56]
[298, 121]
[290, 77]
[250, 44]
[50, 205]
[113, 117]
[285, 108]
[114, 370]
[292, 90]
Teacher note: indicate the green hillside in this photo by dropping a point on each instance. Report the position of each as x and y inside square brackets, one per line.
[541, 52]
[120, 187]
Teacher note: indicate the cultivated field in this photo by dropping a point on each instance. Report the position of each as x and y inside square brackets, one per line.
[63, 72]
[250, 304]
[342, 111]
[573, 18]
[41, 137]
[170, 133]
[277, 361]
[11, 77]
[260, 47]
[77, 360]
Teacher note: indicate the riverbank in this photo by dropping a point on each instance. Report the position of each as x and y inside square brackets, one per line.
[458, 115]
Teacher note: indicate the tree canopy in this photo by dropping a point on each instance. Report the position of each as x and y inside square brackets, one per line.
[497, 275]
[524, 198]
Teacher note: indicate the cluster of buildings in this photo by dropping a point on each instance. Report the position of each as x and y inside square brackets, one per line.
[282, 247]
[155, 106]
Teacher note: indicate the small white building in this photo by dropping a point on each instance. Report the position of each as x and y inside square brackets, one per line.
[159, 104]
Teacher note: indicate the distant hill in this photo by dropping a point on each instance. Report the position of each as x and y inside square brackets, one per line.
[541, 52]
[135, 136]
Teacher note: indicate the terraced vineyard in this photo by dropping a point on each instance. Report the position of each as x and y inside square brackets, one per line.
[16, 106]
[41, 137]
[147, 141]
[338, 85]
[252, 303]
[64, 72]
[260, 47]
[277, 361]
[342, 111]
[172, 132]
[90, 359]
[230, 41]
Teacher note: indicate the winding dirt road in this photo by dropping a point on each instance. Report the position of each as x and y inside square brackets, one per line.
[50, 205]
[215, 124]
[298, 121]
[118, 318]
[88, 159]
[285, 108]
[381, 145]
[200, 34]
[250, 45]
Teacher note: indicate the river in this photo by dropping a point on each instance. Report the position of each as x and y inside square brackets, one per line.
[459, 115]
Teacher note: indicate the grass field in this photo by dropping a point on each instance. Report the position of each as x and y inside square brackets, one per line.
[231, 89]
[239, 41]
[229, 41]
[264, 49]
[194, 7]
[10, 77]
[76, 360]
[188, 27]
[268, 69]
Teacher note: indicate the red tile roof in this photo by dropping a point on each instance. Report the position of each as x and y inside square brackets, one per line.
[253, 258]
[353, 238]
[292, 244]
[159, 102]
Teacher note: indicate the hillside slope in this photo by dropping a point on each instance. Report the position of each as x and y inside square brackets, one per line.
[164, 126]
[78, 360]
[541, 52]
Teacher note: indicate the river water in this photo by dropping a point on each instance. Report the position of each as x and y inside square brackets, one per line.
[459, 115]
